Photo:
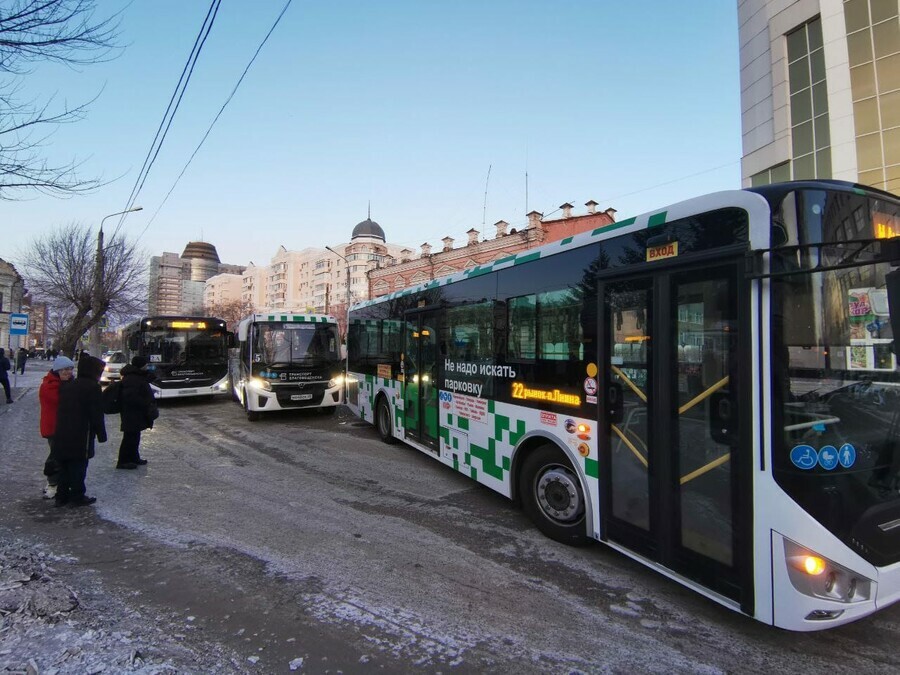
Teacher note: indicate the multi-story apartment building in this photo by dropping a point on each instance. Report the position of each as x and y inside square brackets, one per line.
[221, 289]
[177, 283]
[820, 91]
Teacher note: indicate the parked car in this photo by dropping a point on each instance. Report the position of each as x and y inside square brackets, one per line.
[114, 364]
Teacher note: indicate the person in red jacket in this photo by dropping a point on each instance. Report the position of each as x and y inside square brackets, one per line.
[62, 370]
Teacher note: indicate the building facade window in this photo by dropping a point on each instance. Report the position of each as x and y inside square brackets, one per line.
[873, 50]
[810, 135]
[776, 174]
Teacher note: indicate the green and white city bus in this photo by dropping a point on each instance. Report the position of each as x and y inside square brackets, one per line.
[709, 388]
[287, 361]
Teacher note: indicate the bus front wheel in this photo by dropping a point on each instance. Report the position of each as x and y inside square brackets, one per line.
[383, 421]
[252, 415]
[552, 496]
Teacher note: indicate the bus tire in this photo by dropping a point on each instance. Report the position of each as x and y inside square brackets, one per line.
[383, 421]
[552, 496]
[252, 415]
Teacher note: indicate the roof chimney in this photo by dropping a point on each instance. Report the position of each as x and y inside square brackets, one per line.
[611, 212]
[448, 243]
[566, 209]
[473, 236]
[426, 250]
[501, 226]
[406, 254]
[534, 219]
[591, 206]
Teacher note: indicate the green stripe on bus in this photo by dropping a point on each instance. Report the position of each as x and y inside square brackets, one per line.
[527, 258]
[614, 226]
[567, 240]
[505, 260]
[591, 468]
[657, 219]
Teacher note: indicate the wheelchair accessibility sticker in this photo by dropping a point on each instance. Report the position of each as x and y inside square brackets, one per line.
[804, 456]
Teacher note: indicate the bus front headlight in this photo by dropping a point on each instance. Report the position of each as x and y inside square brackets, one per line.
[336, 381]
[260, 383]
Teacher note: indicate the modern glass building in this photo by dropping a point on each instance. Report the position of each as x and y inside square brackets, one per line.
[820, 91]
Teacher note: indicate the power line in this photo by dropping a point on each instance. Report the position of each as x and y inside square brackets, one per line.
[218, 115]
[174, 102]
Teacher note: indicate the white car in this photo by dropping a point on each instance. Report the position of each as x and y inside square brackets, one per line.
[115, 361]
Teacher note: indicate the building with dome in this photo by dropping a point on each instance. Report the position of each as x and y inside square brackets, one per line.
[177, 282]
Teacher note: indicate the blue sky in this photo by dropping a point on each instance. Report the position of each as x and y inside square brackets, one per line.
[402, 102]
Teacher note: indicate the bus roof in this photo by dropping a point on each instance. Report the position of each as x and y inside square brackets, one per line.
[290, 317]
[740, 198]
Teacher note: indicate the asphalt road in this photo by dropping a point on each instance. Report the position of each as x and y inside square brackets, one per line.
[302, 536]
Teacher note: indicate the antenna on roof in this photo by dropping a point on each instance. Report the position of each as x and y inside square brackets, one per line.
[486, 181]
[369, 214]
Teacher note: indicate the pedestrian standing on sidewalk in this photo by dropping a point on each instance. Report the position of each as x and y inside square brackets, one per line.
[61, 370]
[21, 358]
[138, 410]
[5, 367]
[79, 421]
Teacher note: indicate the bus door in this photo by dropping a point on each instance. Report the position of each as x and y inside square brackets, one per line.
[420, 389]
[674, 470]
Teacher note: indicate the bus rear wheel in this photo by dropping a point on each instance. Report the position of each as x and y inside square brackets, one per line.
[552, 496]
[383, 421]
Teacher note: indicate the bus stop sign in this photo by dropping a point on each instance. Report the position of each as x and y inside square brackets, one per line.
[18, 324]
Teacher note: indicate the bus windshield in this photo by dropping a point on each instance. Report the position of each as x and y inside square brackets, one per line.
[295, 343]
[180, 346]
[835, 382]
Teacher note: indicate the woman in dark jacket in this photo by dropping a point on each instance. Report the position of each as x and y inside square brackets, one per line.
[79, 420]
[138, 410]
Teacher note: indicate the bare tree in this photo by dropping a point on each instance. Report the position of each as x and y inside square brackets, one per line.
[232, 311]
[60, 270]
[61, 31]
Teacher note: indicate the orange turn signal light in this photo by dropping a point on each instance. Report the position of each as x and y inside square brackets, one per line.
[813, 565]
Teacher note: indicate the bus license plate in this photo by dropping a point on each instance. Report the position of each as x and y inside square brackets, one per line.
[301, 397]
[187, 391]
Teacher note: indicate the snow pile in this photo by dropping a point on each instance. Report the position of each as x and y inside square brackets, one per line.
[46, 629]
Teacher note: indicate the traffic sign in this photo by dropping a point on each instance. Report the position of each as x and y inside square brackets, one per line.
[18, 324]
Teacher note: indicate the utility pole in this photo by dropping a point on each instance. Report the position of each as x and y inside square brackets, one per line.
[98, 299]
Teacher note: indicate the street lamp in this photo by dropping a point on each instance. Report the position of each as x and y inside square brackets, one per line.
[347, 263]
[97, 299]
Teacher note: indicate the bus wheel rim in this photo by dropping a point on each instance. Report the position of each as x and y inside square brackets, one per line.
[558, 495]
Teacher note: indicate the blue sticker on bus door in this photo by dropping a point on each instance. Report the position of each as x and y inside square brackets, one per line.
[847, 455]
[804, 456]
[828, 457]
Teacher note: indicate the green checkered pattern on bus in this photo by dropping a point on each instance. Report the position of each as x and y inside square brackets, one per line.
[645, 220]
[495, 459]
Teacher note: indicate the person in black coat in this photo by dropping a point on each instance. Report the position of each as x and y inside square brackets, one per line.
[79, 420]
[138, 410]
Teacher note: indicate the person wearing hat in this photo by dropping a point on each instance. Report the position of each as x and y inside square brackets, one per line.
[61, 371]
[79, 420]
[138, 410]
